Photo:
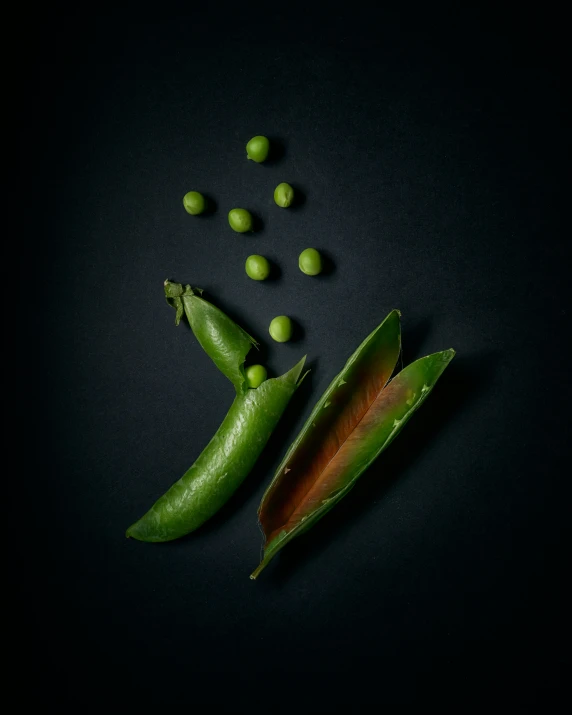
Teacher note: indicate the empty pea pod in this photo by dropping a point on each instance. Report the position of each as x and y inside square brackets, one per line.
[355, 420]
[232, 452]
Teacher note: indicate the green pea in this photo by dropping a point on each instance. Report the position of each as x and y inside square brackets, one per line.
[310, 262]
[194, 203]
[283, 195]
[255, 375]
[257, 267]
[281, 329]
[240, 220]
[257, 149]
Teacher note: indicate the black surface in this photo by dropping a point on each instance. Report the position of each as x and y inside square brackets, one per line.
[427, 160]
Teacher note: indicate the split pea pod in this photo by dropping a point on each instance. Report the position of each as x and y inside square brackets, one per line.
[232, 452]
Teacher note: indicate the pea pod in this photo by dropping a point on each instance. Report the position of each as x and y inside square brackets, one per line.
[356, 418]
[226, 343]
[237, 444]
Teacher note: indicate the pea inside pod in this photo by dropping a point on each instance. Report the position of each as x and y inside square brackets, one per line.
[256, 375]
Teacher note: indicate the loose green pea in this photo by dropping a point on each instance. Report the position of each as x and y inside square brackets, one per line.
[240, 220]
[194, 203]
[284, 195]
[310, 262]
[257, 149]
[257, 267]
[255, 375]
[281, 329]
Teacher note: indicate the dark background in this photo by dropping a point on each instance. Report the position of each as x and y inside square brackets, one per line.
[427, 151]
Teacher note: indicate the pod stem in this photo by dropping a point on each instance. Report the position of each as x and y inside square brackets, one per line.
[174, 293]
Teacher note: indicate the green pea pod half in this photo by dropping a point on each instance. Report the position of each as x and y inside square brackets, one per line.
[230, 455]
[226, 343]
[356, 418]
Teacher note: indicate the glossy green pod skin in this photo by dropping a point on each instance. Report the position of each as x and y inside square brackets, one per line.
[232, 452]
[225, 342]
[297, 498]
[223, 464]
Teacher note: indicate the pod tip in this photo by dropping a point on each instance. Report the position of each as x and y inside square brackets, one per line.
[254, 575]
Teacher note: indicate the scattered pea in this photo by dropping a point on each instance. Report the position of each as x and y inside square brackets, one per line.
[257, 149]
[310, 262]
[255, 375]
[281, 329]
[194, 203]
[284, 195]
[240, 220]
[257, 267]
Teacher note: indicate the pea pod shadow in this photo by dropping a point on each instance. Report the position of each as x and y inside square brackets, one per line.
[328, 266]
[277, 152]
[300, 198]
[465, 379]
[211, 207]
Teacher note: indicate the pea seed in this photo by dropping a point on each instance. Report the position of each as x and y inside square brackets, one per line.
[257, 267]
[194, 203]
[255, 375]
[283, 195]
[257, 149]
[240, 220]
[310, 262]
[281, 329]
